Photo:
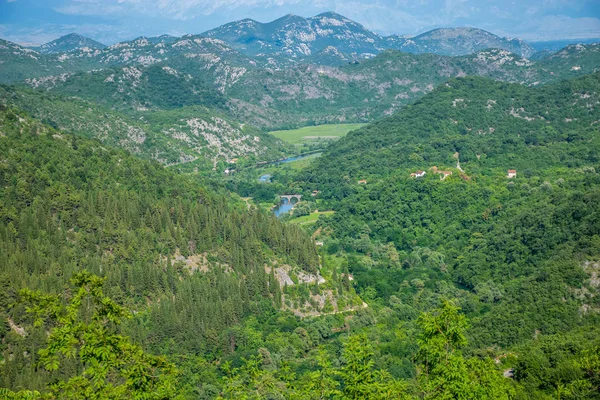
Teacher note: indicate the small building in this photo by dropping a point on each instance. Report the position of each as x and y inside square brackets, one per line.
[512, 173]
[444, 174]
[418, 174]
[227, 171]
[314, 193]
[233, 161]
[362, 182]
[319, 243]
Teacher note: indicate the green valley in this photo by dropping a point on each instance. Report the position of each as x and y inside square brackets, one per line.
[299, 209]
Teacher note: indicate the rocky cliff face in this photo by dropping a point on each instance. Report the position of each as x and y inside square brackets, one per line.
[297, 38]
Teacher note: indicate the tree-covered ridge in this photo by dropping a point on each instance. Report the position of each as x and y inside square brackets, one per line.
[20, 63]
[490, 124]
[135, 88]
[208, 58]
[190, 262]
[574, 59]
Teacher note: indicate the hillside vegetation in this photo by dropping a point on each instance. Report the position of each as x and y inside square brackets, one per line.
[444, 239]
[191, 264]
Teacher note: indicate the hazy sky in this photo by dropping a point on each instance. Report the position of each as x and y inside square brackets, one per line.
[109, 21]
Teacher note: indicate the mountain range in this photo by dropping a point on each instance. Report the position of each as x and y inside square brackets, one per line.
[291, 72]
[297, 38]
[328, 39]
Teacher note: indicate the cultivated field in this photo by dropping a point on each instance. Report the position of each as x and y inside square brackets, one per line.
[314, 133]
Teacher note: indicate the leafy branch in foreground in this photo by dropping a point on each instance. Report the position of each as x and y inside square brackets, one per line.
[83, 329]
[443, 372]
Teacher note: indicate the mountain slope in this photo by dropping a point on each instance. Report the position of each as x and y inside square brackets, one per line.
[460, 41]
[200, 137]
[574, 60]
[521, 245]
[472, 116]
[191, 264]
[134, 88]
[18, 63]
[209, 59]
[373, 88]
[295, 38]
[68, 43]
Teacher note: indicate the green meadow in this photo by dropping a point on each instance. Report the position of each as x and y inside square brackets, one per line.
[314, 133]
[311, 218]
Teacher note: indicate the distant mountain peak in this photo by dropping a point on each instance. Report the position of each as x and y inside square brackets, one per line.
[448, 33]
[461, 41]
[331, 14]
[70, 42]
[72, 35]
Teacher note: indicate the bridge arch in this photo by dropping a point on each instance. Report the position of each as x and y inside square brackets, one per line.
[291, 197]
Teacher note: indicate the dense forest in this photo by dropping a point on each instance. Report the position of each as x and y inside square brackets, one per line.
[70, 204]
[518, 254]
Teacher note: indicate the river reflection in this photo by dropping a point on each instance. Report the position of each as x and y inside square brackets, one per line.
[283, 208]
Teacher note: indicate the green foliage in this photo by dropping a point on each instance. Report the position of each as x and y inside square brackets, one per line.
[512, 249]
[151, 128]
[84, 328]
[444, 372]
[66, 203]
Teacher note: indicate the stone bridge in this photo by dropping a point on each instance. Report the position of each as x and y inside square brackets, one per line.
[289, 197]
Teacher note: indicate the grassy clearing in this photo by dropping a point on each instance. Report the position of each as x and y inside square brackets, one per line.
[310, 219]
[313, 133]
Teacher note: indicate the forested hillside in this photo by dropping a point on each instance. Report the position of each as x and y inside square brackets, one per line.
[191, 263]
[151, 122]
[521, 253]
[493, 126]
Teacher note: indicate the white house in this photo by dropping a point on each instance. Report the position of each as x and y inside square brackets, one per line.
[418, 174]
